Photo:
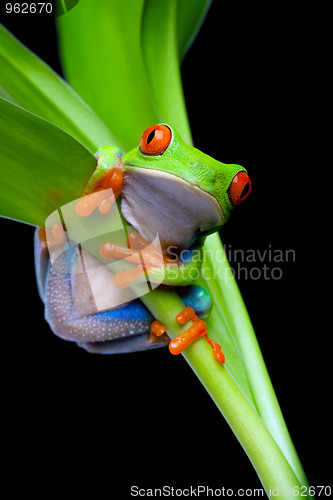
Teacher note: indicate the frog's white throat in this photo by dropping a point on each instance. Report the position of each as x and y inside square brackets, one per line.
[159, 203]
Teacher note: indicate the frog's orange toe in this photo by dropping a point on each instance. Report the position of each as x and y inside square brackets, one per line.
[185, 314]
[55, 236]
[105, 205]
[157, 328]
[86, 205]
[219, 355]
[196, 330]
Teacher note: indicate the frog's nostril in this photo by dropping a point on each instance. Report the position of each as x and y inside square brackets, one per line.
[240, 188]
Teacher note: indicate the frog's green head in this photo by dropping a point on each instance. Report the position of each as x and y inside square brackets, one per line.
[178, 190]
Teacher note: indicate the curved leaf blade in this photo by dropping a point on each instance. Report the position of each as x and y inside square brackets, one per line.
[101, 54]
[41, 166]
[159, 22]
[32, 84]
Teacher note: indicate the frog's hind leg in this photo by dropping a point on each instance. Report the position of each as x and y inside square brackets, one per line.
[134, 343]
[71, 311]
[193, 296]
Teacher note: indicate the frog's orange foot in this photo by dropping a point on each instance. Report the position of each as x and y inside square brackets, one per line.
[111, 251]
[196, 330]
[103, 187]
[152, 255]
[101, 199]
[125, 278]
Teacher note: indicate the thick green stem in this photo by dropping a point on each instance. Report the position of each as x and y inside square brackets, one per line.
[269, 462]
[235, 315]
[220, 332]
[162, 64]
[167, 89]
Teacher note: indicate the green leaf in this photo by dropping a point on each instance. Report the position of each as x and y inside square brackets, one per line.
[41, 166]
[190, 17]
[160, 52]
[30, 83]
[5, 95]
[101, 54]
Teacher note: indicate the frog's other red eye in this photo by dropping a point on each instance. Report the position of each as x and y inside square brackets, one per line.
[155, 140]
[240, 188]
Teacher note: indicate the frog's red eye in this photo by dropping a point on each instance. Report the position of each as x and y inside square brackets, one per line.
[155, 140]
[240, 188]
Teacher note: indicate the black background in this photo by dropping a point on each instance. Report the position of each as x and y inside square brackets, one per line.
[104, 422]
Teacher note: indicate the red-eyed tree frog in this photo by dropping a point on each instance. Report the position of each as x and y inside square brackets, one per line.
[167, 188]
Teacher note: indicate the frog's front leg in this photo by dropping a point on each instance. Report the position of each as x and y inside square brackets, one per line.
[103, 188]
[107, 175]
[179, 271]
[182, 271]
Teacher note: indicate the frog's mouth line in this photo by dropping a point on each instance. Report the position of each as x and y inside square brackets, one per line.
[159, 203]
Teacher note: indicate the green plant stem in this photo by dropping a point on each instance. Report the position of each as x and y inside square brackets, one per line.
[232, 307]
[269, 462]
[102, 59]
[167, 90]
[190, 17]
[159, 22]
[221, 333]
